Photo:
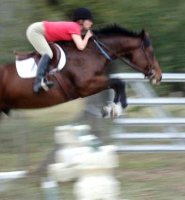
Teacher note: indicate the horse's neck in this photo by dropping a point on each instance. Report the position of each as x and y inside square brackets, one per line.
[125, 44]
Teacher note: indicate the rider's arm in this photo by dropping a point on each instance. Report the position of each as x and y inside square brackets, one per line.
[81, 43]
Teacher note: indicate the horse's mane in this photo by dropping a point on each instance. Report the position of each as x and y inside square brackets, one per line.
[115, 30]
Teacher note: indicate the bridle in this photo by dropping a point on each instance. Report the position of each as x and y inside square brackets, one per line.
[106, 51]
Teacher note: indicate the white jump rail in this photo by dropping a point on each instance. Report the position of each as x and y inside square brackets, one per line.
[12, 175]
[156, 101]
[166, 77]
[150, 121]
[148, 136]
[150, 148]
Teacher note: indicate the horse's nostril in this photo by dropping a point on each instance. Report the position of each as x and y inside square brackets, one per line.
[151, 74]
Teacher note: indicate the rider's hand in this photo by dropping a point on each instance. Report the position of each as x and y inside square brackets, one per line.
[82, 42]
[89, 34]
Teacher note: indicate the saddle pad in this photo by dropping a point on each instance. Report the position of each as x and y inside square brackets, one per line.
[28, 68]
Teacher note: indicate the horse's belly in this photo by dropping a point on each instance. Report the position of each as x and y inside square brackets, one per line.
[33, 101]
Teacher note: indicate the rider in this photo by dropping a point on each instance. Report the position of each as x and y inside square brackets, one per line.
[40, 33]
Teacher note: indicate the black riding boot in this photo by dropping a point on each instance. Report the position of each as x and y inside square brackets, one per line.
[40, 82]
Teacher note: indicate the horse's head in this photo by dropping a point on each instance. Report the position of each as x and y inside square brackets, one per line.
[135, 48]
[144, 60]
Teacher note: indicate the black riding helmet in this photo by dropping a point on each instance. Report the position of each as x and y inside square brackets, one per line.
[82, 14]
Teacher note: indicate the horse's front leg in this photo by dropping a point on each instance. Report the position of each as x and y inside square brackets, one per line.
[115, 109]
[120, 94]
[100, 83]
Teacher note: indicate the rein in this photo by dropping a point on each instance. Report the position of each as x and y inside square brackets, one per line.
[100, 46]
[104, 48]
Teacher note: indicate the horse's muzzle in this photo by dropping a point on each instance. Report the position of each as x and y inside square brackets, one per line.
[154, 78]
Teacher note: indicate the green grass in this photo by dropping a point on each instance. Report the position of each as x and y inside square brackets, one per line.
[142, 176]
[153, 176]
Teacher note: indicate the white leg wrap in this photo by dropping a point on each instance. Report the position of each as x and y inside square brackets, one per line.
[112, 110]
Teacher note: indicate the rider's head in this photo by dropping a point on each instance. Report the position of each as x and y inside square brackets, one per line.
[84, 17]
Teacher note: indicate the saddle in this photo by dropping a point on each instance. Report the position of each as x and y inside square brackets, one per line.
[27, 62]
[26, 55]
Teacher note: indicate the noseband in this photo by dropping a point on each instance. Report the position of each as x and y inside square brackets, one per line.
[150, 72]
[105, 50]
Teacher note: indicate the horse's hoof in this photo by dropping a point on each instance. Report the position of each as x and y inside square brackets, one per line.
[105, 112]
[116, 110]
[112, 110]
[113, 114]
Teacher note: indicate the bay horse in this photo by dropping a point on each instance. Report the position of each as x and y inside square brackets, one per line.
[85, 72]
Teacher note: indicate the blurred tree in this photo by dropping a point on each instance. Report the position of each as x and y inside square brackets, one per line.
[53, 2]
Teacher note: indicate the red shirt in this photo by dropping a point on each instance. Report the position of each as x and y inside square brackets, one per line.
[58, 31]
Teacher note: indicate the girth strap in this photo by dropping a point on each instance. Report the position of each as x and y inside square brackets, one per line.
[62, 85]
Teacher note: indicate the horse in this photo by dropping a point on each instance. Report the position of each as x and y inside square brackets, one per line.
[85, 72]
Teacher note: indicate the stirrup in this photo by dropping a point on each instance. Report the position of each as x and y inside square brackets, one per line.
[46, 85]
